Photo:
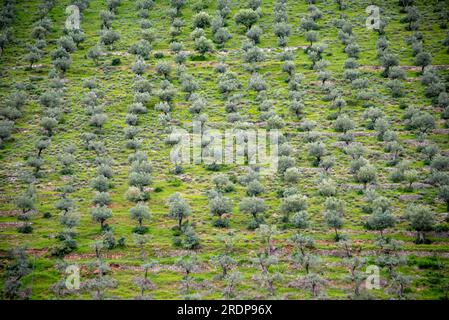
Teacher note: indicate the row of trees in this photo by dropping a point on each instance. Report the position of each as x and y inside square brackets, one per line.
[139, 176]
[293, 204]
[253, 204]
[108, 36]
[52, 105]
[282, 29]
[101, 183]
[53, 109]
[184, 234]
[421, 217]
[69, 216]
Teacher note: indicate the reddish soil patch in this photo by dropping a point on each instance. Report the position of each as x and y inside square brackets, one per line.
[409, 68]
[9, 213]
[77, 256]
[38, 252]
[5, 225]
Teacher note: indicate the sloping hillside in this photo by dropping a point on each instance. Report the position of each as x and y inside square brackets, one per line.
[90, 117]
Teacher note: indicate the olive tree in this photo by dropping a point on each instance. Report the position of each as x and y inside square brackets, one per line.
[314, 283]
[372, 114]
[366, 175]
[257, 83]
[144, 283]
[39, 32]
[334, 220]
[316, 150]
[302, 255]
[440, 163]
[383, 126]
[41, 144]
[423, 59]
[254, 188]
[221, 36]
[228, 82]
[66, 160]
[201, 20]
[48, 124]
[188, 264]
[26, 202]
[232, 280]
[164, 69]
[33, 56]
[343, 124]
[109, 37]
[380, 220]
[98, 120]
[254, 34]
[139, 67]
[203, 45]
[388, 60]
[222, 183]
[411, 176]
[6, 127]
[189, 86]
[289, 68]
[62, 64]
[266, 233]
[443, 194]
[142, 49]
[99, 284]
[282, 30]
[225, 262]
[113, 5]
[67, 43]
[139, 213]
[284, 163]
[78, 37]
[327, 188]
[352, 50]
[412, 18]
[101, 214]
[140, 175]
[5, 38]
[253, 206]
[292, 204]
[308, 24]
[100, 183]
[422, 122]
[106, 17]
[246, 17]
[102, 199]
[16, 269]
[445, 42]
[292, 175]
[220, 206]
[311, 37]
[430, 151]
[177, 5]
[179, 209]
[266, 277]
[338, 103]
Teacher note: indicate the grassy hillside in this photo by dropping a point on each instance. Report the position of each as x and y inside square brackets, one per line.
[403, 157]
